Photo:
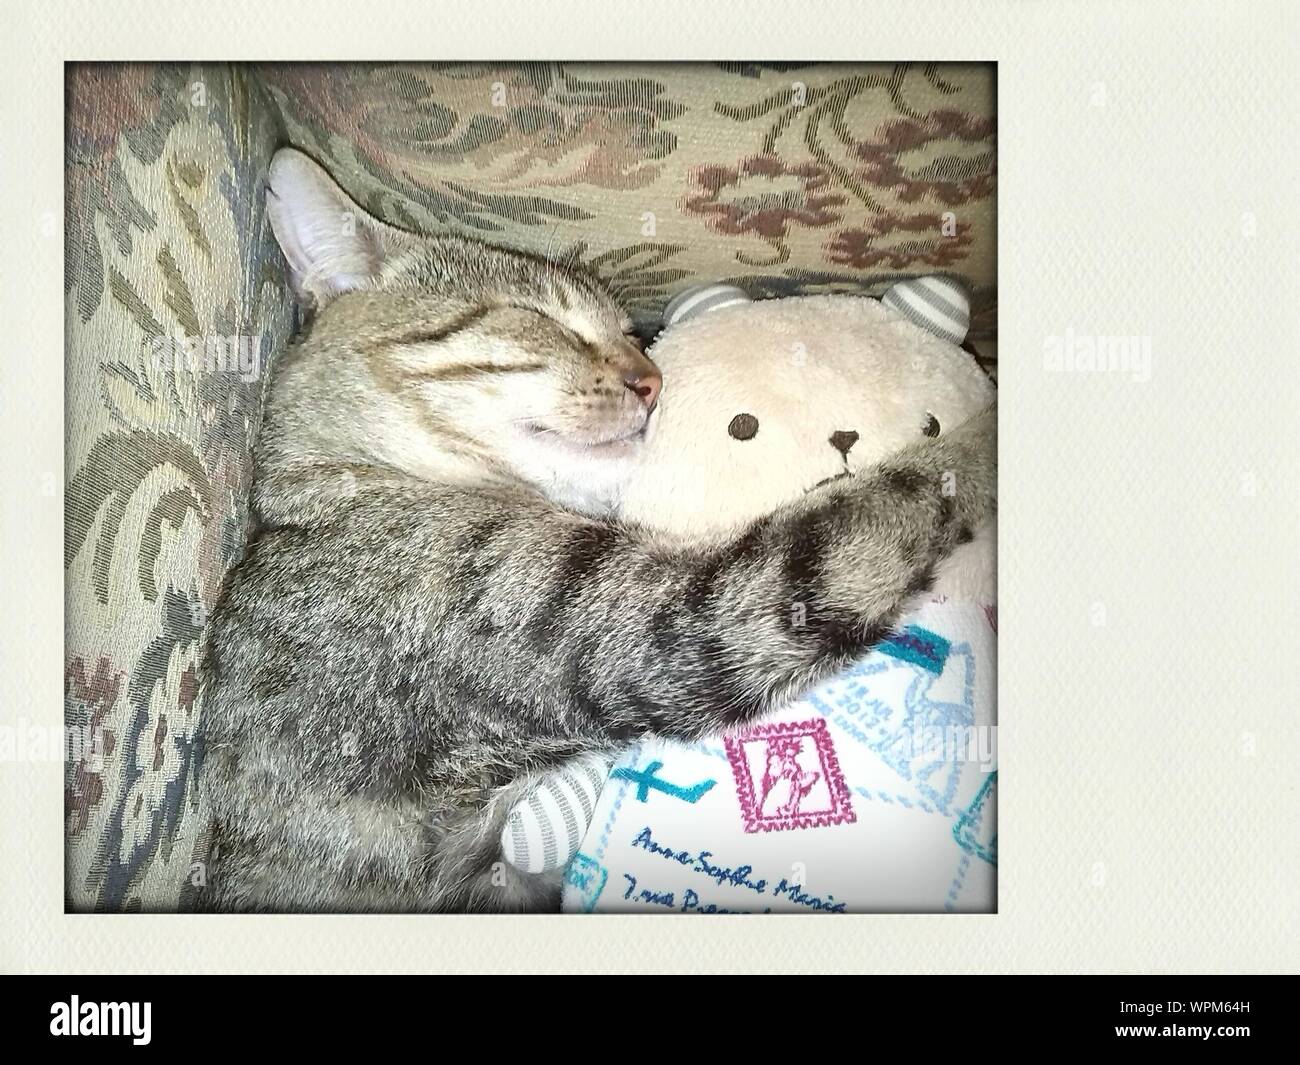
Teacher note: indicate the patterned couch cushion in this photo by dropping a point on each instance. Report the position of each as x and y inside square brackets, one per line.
[167, 246]
[781, 178]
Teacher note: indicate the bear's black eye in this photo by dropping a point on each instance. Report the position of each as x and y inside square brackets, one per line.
[743, 426]
[931, 425]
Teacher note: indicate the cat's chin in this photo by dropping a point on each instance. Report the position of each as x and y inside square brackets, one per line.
[595, 441]
[578, 474]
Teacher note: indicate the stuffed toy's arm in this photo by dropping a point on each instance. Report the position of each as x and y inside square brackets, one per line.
[544, 829]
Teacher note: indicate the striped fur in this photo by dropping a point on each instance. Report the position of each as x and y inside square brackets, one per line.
[431, 614]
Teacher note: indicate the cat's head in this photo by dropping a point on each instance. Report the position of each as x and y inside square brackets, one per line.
[452, 359]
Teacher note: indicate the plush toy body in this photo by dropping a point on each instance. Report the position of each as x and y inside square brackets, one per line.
[762, 402]
[771, 398]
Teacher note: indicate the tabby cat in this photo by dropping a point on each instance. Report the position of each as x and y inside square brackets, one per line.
[436, 605]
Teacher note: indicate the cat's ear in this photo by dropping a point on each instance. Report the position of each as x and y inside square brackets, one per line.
[331, 244]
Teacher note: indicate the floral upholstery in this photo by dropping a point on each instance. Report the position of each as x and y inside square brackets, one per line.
[166, 240]
[781, 178]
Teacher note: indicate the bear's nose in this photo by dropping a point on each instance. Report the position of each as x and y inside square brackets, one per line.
[842, 440]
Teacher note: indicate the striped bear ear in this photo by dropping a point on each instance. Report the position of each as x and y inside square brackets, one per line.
[937, 304]
[699, 299]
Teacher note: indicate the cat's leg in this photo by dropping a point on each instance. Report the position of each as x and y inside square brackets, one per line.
[686, 644]
[620, 636]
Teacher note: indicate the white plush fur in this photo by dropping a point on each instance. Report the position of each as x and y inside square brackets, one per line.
[805, 367]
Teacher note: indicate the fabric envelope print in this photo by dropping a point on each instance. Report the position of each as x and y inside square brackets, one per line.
[875, 794]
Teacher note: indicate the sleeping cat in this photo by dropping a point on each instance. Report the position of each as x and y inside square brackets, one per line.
[435, 606]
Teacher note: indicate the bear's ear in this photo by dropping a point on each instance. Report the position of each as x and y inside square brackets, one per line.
[937, 304]
[330, 243]
[699, 299]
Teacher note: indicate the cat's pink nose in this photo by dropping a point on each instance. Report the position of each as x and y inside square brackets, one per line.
[646, 384]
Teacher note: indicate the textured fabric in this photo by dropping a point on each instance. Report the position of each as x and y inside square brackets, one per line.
[780, 178]
[933, 303]
[166, 243]
[876, 793]
[543, 831]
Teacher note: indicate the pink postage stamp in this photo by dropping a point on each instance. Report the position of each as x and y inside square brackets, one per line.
[788, 776]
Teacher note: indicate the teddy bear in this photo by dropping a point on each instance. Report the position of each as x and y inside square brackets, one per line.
[763, 401]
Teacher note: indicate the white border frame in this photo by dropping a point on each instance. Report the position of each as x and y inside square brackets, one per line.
[1149, 812]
